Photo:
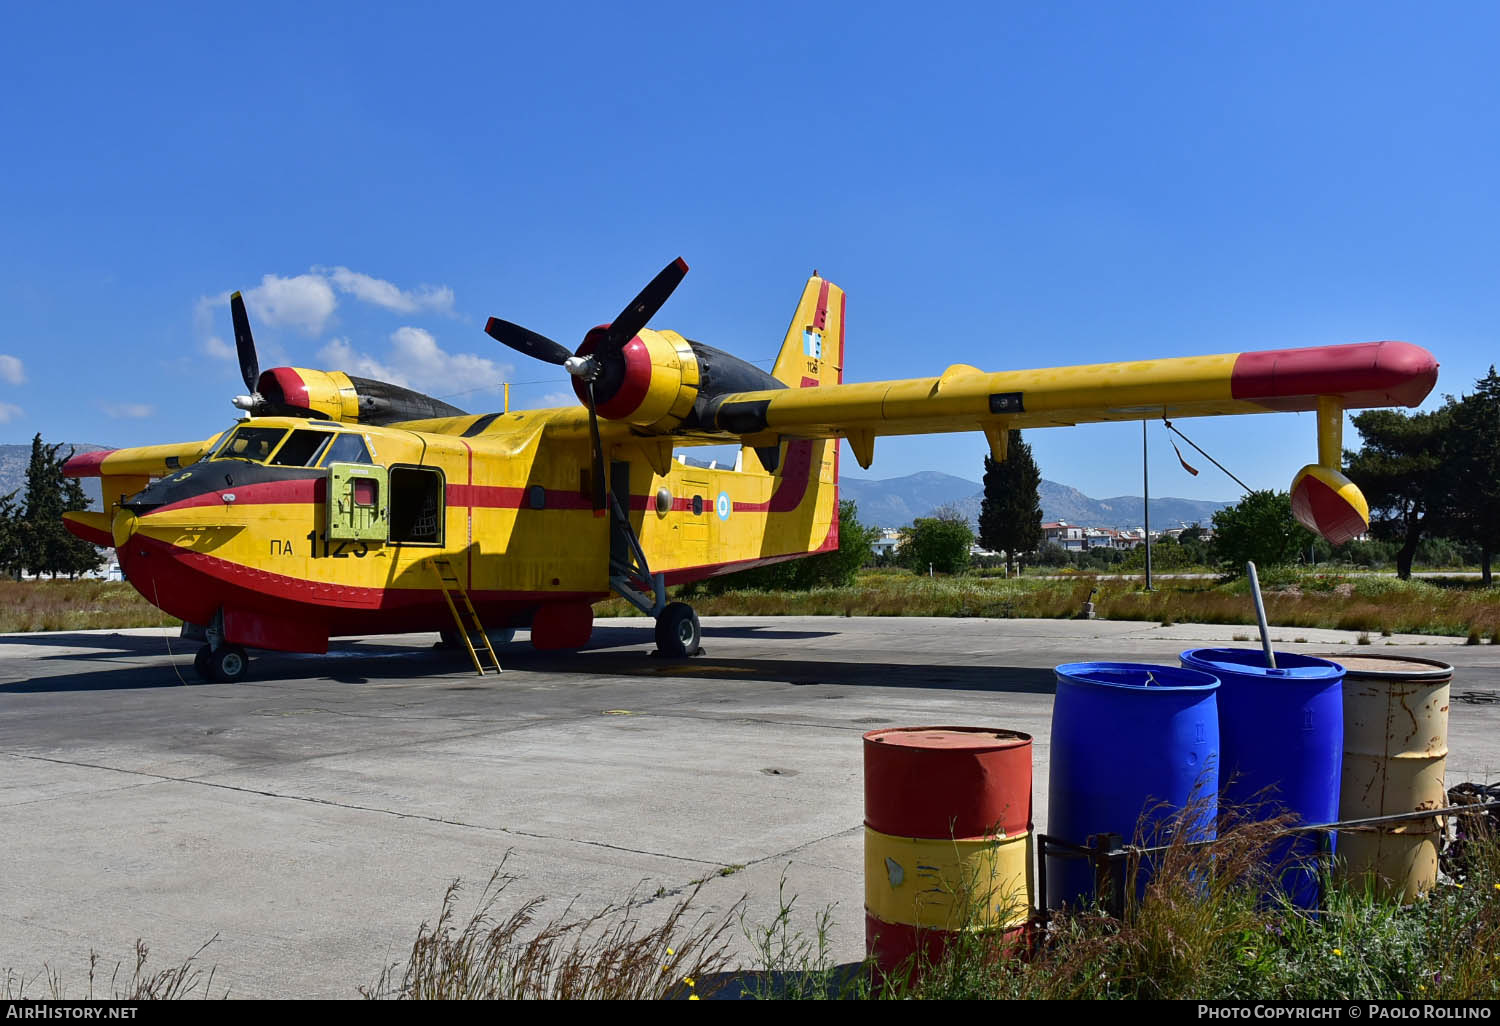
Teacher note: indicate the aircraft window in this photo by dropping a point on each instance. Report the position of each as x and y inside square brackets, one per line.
[365, 491]
[697, 505]
[253, 444]
[416, 505]
[302, 449]
[347, 448]
[536, 497]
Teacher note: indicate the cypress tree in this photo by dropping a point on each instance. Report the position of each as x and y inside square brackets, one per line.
[1010, 518]
[40, 539]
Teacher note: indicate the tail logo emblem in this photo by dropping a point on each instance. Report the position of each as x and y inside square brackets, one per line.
[812, 343]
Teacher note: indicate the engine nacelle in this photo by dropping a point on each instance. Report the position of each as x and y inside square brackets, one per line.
[340, 397]
[660, 377]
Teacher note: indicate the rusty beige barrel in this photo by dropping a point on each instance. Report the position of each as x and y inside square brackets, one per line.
[1395, 755]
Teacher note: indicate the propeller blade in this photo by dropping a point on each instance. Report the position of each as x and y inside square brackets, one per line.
[598, 451]
[644, 306]
[244, 342]
[524, 340]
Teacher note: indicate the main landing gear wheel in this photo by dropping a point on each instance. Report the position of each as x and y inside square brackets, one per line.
[677, 631]
[229, 664]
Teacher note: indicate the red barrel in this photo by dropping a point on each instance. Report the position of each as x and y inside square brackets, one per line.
[947, 837]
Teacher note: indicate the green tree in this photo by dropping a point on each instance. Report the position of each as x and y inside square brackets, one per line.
[11, 531]
[75, 556]
[1010, 518]
[1474, 469]
[1166, 554]
[43, 543]
[1260, 528]
[941, 542]
[1401, 468]
[42, 523]
[825, 570]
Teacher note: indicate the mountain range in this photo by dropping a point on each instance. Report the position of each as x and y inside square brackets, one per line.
[14, 459]
[898, 501]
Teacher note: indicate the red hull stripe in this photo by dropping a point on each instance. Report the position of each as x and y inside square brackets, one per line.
[264, 493]
[312, 490]
[87, 464]
[1365, 373]
[192, 585]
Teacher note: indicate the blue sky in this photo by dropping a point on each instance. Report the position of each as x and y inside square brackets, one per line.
[1006, 185]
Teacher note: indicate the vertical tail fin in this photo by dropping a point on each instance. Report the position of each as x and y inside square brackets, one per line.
[813, 353]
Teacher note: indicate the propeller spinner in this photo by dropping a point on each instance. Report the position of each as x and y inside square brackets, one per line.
[637, 313]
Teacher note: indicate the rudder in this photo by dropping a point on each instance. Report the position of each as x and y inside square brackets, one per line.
[813, 351]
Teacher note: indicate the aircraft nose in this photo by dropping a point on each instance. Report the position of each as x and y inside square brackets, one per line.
[123, 527]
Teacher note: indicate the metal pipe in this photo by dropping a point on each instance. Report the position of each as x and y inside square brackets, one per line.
[1146, 486]
[1260, 615]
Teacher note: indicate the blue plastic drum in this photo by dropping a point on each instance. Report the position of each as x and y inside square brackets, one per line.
[1133, 745]
[1282, 733]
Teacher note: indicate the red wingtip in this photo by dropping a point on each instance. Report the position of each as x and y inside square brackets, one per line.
[86, 464]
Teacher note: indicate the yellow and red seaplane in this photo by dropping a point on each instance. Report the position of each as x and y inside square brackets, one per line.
[346, 506]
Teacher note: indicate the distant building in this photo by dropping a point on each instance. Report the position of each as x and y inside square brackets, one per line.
[888, 542]
[1064, 535]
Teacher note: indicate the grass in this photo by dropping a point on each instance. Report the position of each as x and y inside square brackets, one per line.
[609, 955]
[75, 606]
[1361, 603]
[1206, 929]
[1208, 925]
[184, 980]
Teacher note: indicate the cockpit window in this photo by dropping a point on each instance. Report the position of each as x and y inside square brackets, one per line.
[347, 448]
[302, 449]
[250, 443]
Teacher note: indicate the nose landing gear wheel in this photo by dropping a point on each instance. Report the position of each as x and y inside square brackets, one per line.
[229, 664]
[677, 631]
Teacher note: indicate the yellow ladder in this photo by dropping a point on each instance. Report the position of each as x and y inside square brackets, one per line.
[449, 583]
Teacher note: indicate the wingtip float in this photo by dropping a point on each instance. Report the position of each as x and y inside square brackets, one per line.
[346, 506]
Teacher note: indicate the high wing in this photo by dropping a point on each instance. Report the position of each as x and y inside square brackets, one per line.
[965, 398]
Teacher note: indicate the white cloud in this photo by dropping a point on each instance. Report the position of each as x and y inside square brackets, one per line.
[305, 301]
[559, 399]
[134, 411]
[417, 361]
[219, 349]
[340, 355]
[9, 412]
[11, 370]
[437, 298]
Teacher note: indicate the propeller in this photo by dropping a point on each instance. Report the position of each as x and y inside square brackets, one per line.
[637, 313]
[244, 345]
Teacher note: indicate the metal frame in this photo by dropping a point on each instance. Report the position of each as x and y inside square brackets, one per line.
[625, 574]
[1111, 857]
